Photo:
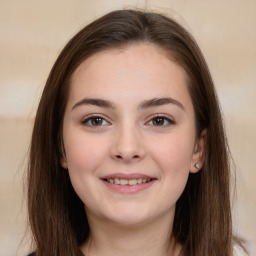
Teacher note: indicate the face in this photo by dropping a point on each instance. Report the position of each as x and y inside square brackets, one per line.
[129, 135]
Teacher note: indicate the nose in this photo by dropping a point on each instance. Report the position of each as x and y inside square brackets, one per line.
[127, 145]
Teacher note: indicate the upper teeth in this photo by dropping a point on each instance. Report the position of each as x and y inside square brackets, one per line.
[127, 182]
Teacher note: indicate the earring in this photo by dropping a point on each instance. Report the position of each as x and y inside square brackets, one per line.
[197, 166]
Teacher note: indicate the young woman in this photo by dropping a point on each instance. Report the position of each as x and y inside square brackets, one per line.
[128, 153]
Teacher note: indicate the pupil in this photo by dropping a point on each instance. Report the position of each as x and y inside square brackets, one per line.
[158, 121]
[97, 121]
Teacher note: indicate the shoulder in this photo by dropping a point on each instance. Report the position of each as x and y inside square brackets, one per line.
[239, 251]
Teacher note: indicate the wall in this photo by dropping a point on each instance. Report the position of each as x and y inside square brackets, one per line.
[32, 35]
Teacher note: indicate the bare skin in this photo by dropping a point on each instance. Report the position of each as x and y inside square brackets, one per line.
[129, 116]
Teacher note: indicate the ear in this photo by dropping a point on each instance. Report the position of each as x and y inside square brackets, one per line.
[63, 162]
[198, 156]
[63, 159]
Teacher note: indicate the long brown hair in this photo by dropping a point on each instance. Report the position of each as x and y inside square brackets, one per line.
[57, 217]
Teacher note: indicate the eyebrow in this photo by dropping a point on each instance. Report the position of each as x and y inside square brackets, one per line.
[160, 102]
[155, 102]
[95, 102]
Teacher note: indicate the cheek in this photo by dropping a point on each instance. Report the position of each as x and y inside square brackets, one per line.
[173, 160]
[84, 153]
[173, 157]
[173, 153]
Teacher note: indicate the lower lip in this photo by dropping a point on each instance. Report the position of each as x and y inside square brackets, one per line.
[129, 188]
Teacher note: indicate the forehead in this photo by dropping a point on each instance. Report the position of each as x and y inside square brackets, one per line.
[134, 70]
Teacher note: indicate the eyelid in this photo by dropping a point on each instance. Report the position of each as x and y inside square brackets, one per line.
[87, 118]
[170, 120]
[92, 116]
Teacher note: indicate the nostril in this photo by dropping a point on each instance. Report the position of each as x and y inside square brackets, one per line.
[134, 157]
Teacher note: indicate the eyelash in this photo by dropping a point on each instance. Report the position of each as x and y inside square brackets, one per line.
[89, 119]
[164, 118]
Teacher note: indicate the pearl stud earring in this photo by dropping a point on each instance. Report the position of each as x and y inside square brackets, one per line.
[197, 166]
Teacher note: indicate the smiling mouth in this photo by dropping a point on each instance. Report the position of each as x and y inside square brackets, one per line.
[130, 182]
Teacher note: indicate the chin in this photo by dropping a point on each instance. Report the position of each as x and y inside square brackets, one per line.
[130, 221]
[130, 218]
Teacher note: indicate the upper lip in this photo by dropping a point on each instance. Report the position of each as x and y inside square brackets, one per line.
[127, 176]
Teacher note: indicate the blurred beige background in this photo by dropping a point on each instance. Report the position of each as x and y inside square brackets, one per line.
[32, 35]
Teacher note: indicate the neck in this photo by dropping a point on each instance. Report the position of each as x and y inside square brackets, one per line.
[153, 238]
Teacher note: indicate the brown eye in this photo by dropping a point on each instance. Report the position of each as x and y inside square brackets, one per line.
[158, 121]
[94, 121]
[161, 121]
